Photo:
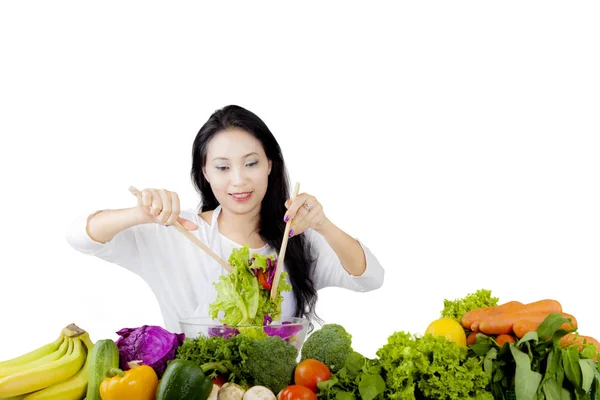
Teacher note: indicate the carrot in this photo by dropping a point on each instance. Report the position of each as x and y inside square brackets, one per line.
[472, 338]
[504, 338]
[504, 321]
[520, 328]
[475, 316]
[530, 323]
[574, 338]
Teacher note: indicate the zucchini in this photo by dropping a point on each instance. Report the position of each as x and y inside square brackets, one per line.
[105, 356]
[184, 380]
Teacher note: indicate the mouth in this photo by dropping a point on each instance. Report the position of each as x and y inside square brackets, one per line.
[241, 196]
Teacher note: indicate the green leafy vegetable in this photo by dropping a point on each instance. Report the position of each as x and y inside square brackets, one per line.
[431, 367]
[243, 360]
[241, 300]
[455, 309]
[360, 377]
[538, 367]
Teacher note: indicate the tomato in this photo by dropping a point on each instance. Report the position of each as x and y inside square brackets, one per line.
[309, 372]
[262, 278]
[297, 392]
[219, 380]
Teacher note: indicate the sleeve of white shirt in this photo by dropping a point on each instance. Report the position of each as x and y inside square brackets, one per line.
[330, 272]
[122, 249]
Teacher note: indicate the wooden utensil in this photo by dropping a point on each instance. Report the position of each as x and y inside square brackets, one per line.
[189, 235]
[280, 257]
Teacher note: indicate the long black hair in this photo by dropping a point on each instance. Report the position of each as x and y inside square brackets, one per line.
[297, 257]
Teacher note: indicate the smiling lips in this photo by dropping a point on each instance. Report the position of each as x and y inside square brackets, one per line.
[241, 196]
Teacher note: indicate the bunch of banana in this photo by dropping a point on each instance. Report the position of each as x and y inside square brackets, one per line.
[57, 370]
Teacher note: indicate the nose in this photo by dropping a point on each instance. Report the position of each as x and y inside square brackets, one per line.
[239, 176]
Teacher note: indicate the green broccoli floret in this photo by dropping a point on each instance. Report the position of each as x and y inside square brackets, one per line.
[331, 345]
[271, 362]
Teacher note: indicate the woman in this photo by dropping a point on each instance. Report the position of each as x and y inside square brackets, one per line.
[239, 171]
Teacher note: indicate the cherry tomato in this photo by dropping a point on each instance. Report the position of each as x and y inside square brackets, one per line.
[309, 372]
[297, 392]
[262, 278]
[219, 380]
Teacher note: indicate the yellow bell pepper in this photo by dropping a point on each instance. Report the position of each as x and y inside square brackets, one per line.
[139, 382]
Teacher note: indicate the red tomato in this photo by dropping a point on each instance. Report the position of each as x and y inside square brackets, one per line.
[262, 278]
[297, 392]
[219, 380]
[309, 372]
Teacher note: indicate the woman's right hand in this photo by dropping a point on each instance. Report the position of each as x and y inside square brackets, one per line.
[162, 207]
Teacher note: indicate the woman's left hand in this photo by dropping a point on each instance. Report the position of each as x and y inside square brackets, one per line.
[305, 212]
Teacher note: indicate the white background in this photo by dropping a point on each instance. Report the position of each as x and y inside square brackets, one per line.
[458, 140]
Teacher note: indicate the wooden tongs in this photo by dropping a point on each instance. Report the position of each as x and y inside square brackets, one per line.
[286, 236]
[189, 235]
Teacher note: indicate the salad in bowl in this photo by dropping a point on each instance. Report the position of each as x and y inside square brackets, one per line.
[244, 306]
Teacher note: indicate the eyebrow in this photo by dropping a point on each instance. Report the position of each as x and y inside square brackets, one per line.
[226, 159]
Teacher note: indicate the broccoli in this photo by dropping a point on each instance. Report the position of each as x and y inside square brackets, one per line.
[271, 362]
[331, 345]
[244, 360]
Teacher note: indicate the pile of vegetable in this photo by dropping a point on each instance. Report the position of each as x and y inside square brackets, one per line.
[514, 350]
[477, 349]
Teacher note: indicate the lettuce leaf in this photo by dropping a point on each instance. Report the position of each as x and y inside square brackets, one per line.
[241, 300]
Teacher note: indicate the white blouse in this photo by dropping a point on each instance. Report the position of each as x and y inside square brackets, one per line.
[181, 275]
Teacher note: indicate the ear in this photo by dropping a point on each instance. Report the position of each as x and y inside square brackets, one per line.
[270, 165]
[204, 173]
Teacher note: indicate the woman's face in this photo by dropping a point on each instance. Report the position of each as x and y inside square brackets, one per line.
[237, 169]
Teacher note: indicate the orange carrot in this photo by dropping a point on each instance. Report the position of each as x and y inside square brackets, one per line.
[475, 316]
[574, 338]
[504, 321]
[472, 338]
[520, 328]
[504, 338]
[530, 323]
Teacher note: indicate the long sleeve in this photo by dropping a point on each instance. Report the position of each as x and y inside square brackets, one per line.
[330, 272]
[123, 249]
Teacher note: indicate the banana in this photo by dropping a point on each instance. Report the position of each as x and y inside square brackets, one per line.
[61, 351]
[42, 376]
[74, 388]
[34, 354]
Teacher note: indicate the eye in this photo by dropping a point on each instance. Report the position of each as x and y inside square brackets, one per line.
[252, 164]
[221, 168]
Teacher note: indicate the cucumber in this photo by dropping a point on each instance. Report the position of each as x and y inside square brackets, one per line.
[105, 356]
[184, 380]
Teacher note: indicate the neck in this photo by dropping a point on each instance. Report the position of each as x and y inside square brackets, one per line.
[246, 224]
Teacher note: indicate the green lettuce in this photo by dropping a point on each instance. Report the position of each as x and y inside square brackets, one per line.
[240, 297]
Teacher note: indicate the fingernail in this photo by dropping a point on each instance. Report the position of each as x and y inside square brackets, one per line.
[291, 233]
[287, 218]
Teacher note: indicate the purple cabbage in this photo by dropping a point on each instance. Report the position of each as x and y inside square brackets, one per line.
[283, 331]
[223, 331]
[271, 270]
[152, 344]
[267, 320]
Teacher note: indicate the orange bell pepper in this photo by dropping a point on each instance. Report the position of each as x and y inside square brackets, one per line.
[139, 382]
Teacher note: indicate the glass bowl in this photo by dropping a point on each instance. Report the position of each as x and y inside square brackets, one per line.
[291, 329]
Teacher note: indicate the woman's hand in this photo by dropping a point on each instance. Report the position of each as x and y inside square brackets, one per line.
[161, 206]
[305, 212]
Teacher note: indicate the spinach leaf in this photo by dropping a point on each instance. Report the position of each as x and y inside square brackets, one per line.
[588, 368]
[370, 386]
[526, 380]
[570, 358]
[550, 324]
[345, 396]
[551, 389]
